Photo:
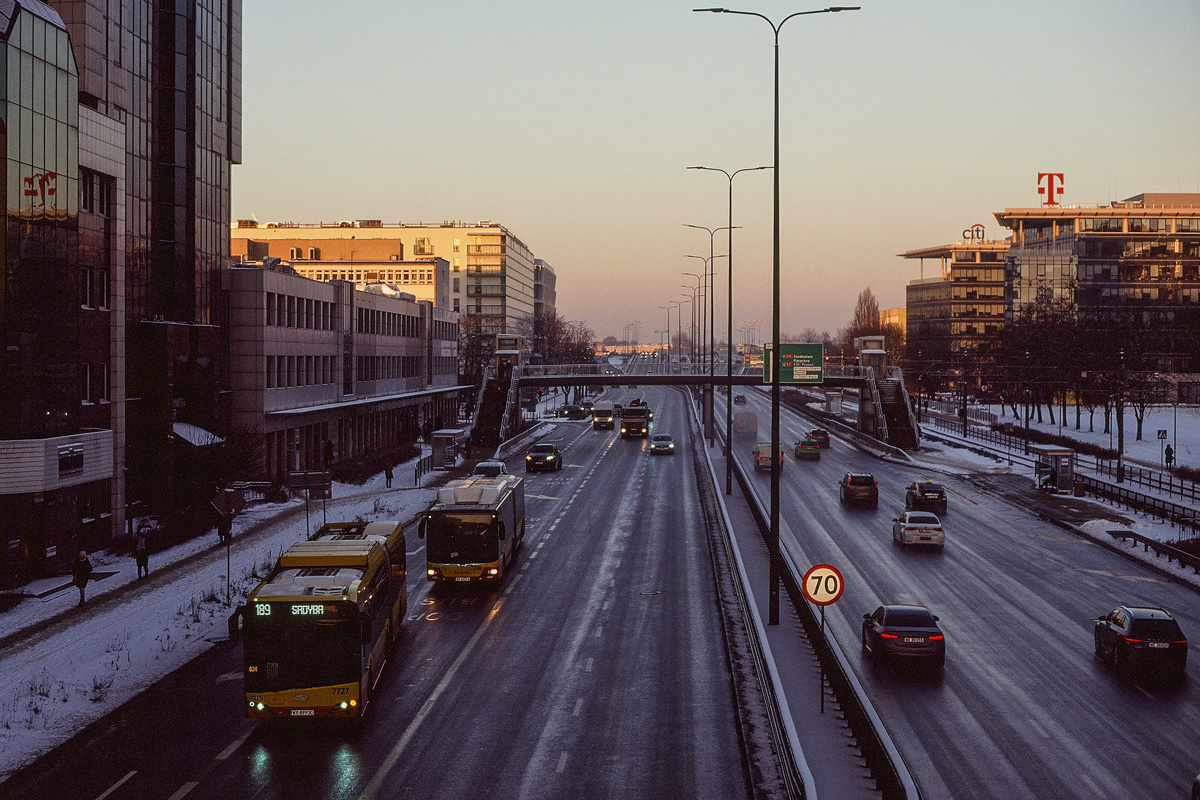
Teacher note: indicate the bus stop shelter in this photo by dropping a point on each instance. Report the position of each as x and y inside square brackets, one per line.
[1054, 467]
[447, 443]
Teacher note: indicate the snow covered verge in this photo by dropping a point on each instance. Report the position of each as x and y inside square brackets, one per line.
[94, 659]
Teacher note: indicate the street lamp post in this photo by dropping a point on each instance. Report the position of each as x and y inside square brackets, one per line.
[697, 317]
[773, 601]
[707, 308]
[668, 310]
[678, 327]
[729, 321]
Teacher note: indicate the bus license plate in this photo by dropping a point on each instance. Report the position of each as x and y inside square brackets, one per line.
[303, 712]
[462, 579]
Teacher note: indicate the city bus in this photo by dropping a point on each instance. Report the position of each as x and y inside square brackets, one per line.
[474, 528]
[319, 628]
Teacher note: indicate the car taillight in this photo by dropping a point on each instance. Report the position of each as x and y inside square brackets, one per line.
[1131, 640]
[937, 637]
[889, 636]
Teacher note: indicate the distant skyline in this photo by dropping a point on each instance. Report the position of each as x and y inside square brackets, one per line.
[572, 125]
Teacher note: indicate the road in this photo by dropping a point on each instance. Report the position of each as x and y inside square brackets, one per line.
[1024, 708]
[598, 669]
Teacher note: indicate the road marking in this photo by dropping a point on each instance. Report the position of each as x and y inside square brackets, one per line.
[229, 676]
[606, 605]
[228, 751]
[513, 585]
[117, 785]
[1143, 691]
[1124, 576]
[1040, 730]
[183, 790]
[598, 629]
[588, 668]
[575, 713]
[562, 762]
[414, 552]
[411, 730]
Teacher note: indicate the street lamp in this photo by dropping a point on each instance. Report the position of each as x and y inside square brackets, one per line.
[706, 307]
[712, 303]
[697, 315]
[729, 334]
[773, 600]
[668, 310]
[679, 326]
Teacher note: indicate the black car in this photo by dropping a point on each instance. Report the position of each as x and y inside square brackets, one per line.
[903, 632]
[822, 437]
[927, 494]
[543, 456]
[587, 405]
[1137, 637]
[859, 487]
[739, 399]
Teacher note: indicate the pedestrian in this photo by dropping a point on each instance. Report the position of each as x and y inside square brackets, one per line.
[387, 476]
[1169, 455]
[81, 570]
[141, 551]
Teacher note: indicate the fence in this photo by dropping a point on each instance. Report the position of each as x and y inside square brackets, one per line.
[424, 465]
[1151, 479]
[1183, 516]
[1172, 553]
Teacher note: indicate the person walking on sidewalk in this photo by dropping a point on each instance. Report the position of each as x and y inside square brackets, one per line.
[387, 475]
[81, 570]
[142, 553]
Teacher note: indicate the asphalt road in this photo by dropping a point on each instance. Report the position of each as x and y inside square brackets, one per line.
[1023, 709]
[597, 669]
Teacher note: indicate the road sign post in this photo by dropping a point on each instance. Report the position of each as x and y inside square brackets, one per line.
[822, 586]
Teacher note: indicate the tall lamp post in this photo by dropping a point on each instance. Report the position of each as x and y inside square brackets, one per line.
[697, 318]
[729, 333]
[668, 310]
[712, 303]
[678, 327]
[773, 544]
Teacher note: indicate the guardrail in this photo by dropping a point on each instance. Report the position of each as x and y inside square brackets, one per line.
[1183, 516]
[423, 465]
[1172, 553]
[883, 758]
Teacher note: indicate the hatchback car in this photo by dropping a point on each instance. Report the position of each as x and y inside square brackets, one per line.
[490, 469]
[903, 632]
[808, 448]
[739, 399]
[762, 456]
[662, 443]
[918, 527]
[543, 456]
[587, 405]
[821, 435]
[1136, 637]
[929, 494]
[859, 487]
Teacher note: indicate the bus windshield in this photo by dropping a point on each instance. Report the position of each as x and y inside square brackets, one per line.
[462, 539]
[290, 645]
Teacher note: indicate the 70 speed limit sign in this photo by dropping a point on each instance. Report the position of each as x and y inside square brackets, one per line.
[823, 585]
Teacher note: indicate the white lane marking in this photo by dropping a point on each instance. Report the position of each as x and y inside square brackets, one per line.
[183, 790]
[410, 731]
[588, 668]
[1040, 730]
[598, 629]
[606, 605]
[228, 751]
[562, 762]
[513, 585]
[117, 785]
[414, 552]
[1143, 691]
[575, 713]
[229, 676]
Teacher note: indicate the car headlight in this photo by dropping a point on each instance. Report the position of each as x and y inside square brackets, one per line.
[549, 458]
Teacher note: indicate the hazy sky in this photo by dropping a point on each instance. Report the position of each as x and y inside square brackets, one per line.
[572, 123]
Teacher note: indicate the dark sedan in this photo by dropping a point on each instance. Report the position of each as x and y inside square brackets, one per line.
[822, 437]
[903, 632]
[927, 494]
[543, 456]
[1148, 639]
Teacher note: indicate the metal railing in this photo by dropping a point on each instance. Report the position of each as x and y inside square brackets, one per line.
[1172, 553]
[1151, 479]
[1185, 517]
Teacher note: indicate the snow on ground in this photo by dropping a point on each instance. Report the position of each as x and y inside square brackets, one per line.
[1182, 425]
[107, 653]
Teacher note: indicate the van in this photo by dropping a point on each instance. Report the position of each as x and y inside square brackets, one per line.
[603, 415]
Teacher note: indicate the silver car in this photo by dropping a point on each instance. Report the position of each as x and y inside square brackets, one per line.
[918, 527]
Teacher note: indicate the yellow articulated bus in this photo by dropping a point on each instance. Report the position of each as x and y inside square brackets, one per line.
[319, 629]
[473, 528]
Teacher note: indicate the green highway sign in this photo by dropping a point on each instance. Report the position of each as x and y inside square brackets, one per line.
[798, 363]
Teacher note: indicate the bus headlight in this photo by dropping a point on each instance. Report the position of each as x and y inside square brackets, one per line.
[431, 572]
[493, 571]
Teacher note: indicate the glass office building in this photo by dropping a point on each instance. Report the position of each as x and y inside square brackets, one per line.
[1130, 268]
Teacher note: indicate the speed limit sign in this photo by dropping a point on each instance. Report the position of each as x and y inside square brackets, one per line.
[823, 585]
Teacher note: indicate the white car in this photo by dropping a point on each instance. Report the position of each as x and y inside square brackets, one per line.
[490, 468]
[918, 527]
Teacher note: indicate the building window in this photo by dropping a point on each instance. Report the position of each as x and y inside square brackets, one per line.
[423, 247]
[314, 254]
[70, 460]
[456, 286]
[456, 304]
[294, 253]
[457, 245]
[96, 192]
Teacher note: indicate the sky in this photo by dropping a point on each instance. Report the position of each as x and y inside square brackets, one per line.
[573, 124]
